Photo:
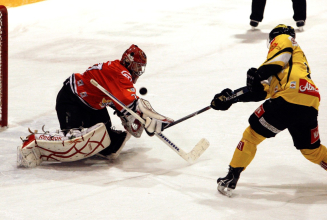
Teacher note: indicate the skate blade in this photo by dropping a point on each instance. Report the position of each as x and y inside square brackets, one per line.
[225, 190]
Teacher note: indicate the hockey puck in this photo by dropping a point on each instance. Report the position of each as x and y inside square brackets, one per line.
[143, 91]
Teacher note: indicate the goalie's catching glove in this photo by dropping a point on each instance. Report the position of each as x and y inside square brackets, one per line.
[219, 101]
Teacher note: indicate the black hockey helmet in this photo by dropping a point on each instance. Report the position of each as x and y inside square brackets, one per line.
[281, 29]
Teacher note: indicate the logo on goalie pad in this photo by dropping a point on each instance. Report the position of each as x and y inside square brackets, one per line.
[50, 138]
[240, 146]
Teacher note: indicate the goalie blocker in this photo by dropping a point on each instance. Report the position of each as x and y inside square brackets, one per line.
[76, 145]
[153, 121]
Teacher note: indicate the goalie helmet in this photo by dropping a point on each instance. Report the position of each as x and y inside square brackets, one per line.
[281, 29]
[134, 59]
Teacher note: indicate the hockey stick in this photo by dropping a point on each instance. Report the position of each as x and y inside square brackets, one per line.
[190, 157]
[187, 117]
[239, 93]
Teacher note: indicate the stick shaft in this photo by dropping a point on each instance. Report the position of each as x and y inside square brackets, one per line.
[188, 116]
[239, 93]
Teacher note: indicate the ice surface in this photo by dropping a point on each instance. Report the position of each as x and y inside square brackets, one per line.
[195, 49]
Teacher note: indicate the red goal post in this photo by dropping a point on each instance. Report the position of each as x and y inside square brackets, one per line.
[3, 66]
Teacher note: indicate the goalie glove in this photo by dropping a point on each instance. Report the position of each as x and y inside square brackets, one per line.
[155, 125]
[132, 125]
[154, 122]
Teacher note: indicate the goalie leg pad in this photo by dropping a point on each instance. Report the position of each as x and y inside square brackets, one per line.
[80, 145]
[27, 154]
[76, 145]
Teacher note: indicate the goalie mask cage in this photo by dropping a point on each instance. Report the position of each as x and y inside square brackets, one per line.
[3, 66]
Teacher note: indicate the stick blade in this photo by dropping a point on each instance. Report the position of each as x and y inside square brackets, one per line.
[198, 150]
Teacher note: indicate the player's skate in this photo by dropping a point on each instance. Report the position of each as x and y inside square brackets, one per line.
[227, 184]
[300, 24]
[118, 140]
[254, 24]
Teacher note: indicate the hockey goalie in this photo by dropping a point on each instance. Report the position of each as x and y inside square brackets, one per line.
[85, 125]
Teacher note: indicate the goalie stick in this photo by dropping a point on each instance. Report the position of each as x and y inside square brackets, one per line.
[190, 157]
[239, 93]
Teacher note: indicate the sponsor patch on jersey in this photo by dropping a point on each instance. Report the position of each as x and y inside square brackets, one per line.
[293, 85]
[80, 83]
[131, 90]
[259, 111]
[105, 103]
[273, 45]
[314, 135]
[240, 146]
[276, 89]
[307, 88]
[127, 75]
[83, 94]
[293, 41]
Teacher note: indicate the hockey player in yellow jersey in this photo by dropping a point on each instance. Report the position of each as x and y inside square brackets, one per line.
[292, 102]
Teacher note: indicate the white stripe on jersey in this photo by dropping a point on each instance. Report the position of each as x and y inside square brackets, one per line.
[284, 57]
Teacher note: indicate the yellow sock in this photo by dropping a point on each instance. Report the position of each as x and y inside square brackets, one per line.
[318, 155]
[246, 149]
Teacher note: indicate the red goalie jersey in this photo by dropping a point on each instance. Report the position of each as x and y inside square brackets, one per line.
[111, 75]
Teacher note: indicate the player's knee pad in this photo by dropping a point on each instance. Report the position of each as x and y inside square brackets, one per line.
[318, 155]
[251, 136]
[246, 148]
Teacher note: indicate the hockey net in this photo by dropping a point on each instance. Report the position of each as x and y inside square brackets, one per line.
[3, 66]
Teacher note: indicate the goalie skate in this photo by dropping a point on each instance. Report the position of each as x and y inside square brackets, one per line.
[118, 141]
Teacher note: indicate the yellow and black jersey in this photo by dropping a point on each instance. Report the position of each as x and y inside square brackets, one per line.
[294, 82]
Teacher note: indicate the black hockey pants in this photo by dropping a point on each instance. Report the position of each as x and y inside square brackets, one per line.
[73, 113]
[299, 8]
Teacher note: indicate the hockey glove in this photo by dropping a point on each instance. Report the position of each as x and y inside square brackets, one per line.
[154, 125]
[253, 80]
[219, 101]
[154, 122]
